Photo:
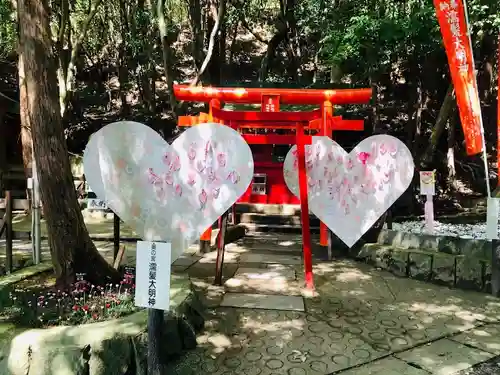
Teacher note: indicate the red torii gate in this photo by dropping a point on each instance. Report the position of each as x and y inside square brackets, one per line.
[304, 124]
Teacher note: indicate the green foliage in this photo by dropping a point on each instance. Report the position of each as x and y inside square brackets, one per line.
[8, 36]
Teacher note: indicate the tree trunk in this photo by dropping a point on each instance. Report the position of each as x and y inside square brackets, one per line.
[123, 61]
[268, 58]
[71, 248]
[26, 141]
[167, 53]
[450, 155]
[211, 43]
[485, 75]
[442, 118]
[197, 30]
[215, 25]
[69, 71]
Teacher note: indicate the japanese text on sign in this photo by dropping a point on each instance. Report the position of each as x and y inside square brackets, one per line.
[153, 275]
[427, 183]
[451, 17]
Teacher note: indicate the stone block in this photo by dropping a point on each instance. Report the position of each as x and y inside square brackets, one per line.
[398, 262]
[470, 273]
[420, 266]
[443, 269]
[407, 240]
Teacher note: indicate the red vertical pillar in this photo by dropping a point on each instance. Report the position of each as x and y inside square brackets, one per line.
[304, 207]
[326, 130]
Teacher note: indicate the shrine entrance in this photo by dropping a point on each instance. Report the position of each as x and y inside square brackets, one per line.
[271, 127]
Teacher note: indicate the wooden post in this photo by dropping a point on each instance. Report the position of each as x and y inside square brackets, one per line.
[389, 219]
[116, 235]
[155, 328]
[221, 244]
[304, 207]
[8, 232]
[233, 214]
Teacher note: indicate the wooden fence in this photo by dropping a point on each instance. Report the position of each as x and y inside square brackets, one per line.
[9, 204]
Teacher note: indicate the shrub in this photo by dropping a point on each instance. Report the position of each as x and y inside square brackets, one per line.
[81, 303]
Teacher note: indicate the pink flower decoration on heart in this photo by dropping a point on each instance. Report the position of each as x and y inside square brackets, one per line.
[221, 159]
[383, 149]
[393, 150]
[192, 151]
[178, 190]
[200, 166]
[203, 197]
[169, 178]
[388, 176]
[176, 165]
[215, 193]
[153, 178]
[234, 177]
[191, 179]
[363, 157]
[211, 175]
[166, 158]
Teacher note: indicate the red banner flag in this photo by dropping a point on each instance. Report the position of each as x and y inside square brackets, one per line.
[451, 17]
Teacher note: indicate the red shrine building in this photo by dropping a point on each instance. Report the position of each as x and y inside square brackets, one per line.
[270, 132]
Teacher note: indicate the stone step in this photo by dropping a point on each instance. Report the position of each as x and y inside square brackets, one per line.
[445, 244]
[270, 219]
[279, 228]
[269, 209]
[268, 279]
[453, 270]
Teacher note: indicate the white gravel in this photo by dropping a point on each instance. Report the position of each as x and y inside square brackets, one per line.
[476, 231]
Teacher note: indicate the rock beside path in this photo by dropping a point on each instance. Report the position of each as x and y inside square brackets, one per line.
[114, 347]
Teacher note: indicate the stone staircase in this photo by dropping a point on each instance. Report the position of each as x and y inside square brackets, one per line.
[270, 217]
[451, 261]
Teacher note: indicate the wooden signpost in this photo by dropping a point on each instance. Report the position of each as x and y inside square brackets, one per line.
[428, 188]
[153, 270]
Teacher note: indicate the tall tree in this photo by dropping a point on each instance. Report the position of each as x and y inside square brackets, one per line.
[71, 248]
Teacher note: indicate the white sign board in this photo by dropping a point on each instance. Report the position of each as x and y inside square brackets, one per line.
[152, 275]
[427, 182]
[492, 211]
[168, 192]
[349, 192]
[96, 204]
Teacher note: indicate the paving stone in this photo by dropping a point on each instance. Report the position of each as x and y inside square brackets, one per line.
[444, 357]
[260, 301]
[275, 279]
[486, 338]
[211, 258]
[386, 366]
[270, 259]
[186, 260]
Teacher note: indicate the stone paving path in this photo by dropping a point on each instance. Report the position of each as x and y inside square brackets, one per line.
[362, 322]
